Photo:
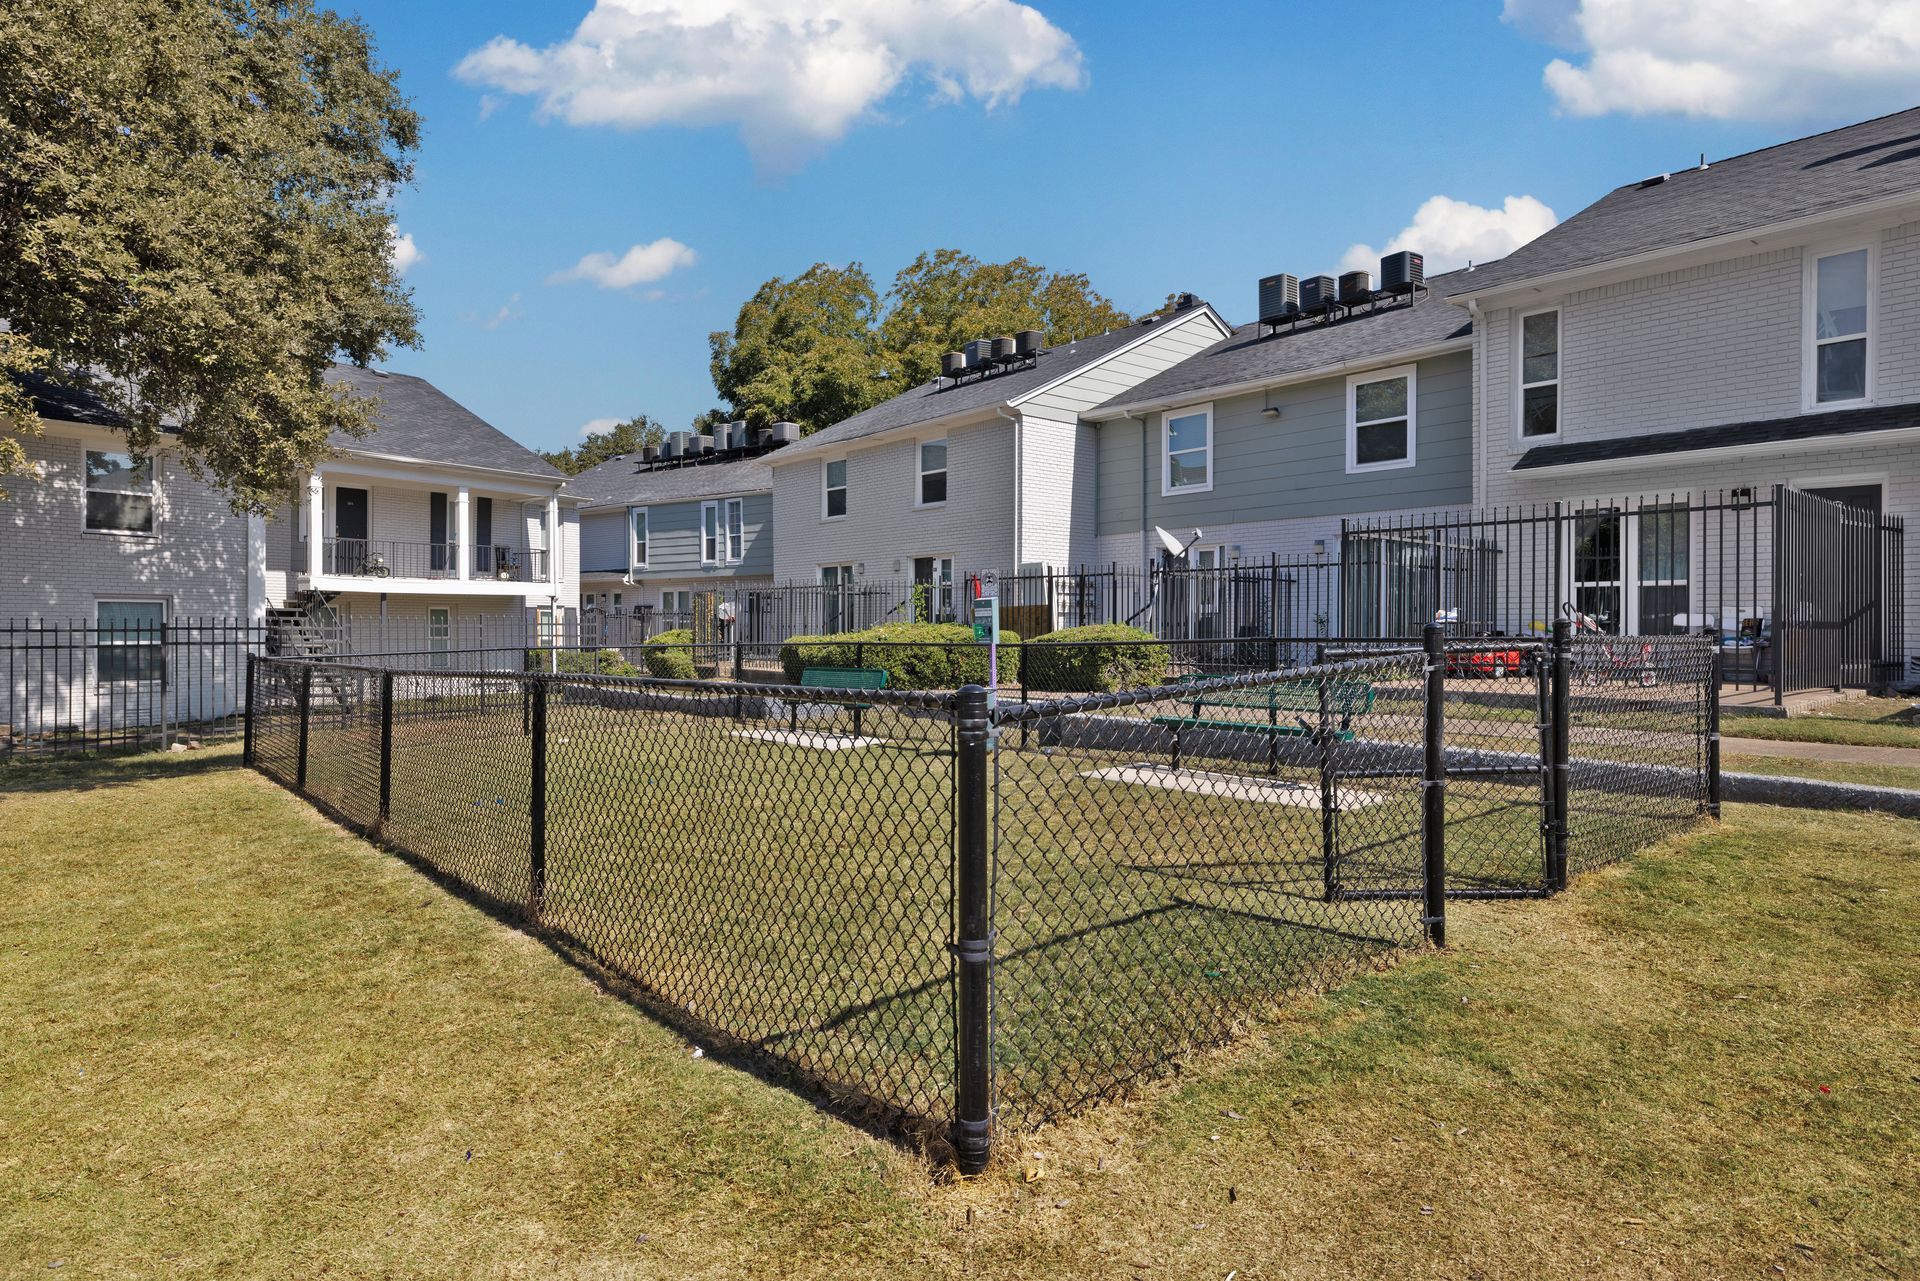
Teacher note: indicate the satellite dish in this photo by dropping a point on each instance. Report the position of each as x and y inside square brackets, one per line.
[1169, 542]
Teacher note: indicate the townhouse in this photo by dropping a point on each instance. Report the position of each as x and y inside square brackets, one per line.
[689, 516]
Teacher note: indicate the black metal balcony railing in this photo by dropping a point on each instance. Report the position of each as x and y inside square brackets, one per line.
[386, 558]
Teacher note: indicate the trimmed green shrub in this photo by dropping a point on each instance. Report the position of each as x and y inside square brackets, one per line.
[670, 655]
[1057, 664]
[916, 655]
[575, 662]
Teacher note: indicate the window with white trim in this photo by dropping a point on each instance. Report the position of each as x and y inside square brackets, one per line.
[637, 536]
[931, 489]
[1540, 374]
[119, 493]
[709, 533]
[440, 637]
[1186, 451]
[736, 529]
[132, 636]
[1380, 419]
[1841, 300]
[833, 498]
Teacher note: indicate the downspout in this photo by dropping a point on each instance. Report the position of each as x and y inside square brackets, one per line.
[1479, 357]
[1018, 472]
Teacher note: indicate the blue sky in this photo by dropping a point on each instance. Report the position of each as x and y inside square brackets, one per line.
[1153, 147]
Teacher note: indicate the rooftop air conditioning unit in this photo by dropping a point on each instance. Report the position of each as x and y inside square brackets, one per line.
[762, 438]
[650, 454]
[1316, 295]
[676, 445]
[1279, 298]
[786, 433]
[705, 444]
[1002, 349]
[1402, 273]
[953, 364]
[979, 352]
[737, 435]
[1356, 287]
[1028, 342]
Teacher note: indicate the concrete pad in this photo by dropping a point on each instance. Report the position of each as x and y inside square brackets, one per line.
[1239, 787]
[809, 738]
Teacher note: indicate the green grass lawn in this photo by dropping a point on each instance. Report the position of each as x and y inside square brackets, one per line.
[1906, 776]
[236, 1040]
[1867, 722]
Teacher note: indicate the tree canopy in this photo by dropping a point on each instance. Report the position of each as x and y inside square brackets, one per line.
[824, 345]
[597, 447]
[195, 222]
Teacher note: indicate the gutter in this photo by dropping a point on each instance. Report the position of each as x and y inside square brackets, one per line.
[1134, 409]
[1481, 425]
[1015, 419]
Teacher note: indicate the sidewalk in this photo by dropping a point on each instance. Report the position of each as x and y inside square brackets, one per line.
[1848, 752]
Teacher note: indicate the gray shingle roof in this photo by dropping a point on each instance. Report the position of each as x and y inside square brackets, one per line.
[1754, 434]
[418, 420]
[1247, 357]
[61, 403]
[928, 401]
[626, 480]
[1797, 179]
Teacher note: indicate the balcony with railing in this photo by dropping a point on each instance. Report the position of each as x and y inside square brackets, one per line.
[384, 559]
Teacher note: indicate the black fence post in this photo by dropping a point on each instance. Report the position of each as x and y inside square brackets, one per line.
[246, 749]
[1433, 785]
[537, 828]
[973, 949]
[386, 750]
[1713, 733]
[306, 719]
[1560, 761]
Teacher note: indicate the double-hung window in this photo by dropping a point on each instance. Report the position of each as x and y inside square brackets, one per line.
[1380, 419]
[833, 500]
[1186, 451]
[1539, 374]
[1840, 293]
[132, 635]
[709, 533]
[119, 493]
[932, 486]
[736, 529]
[637, 526]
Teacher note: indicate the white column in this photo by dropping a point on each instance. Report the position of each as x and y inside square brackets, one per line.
[316, 521]
[553, 539]
[462, 536]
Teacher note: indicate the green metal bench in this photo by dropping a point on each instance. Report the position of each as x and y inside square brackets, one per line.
[1343, 699]
[839, 678]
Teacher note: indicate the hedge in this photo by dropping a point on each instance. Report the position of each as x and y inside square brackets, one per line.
[575, 662]
[670, 654]
[921, 655]
[1056, 664]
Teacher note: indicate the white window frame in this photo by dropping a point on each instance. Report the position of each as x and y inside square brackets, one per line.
[845, 487]
[1167, 488]
[152, 495]
[1354, 381]
[440, 644]
[710, 532]
[639, 537]
[1809, 322]
[101, 637]
[921, 471]
[1557, 382]
[733, 529]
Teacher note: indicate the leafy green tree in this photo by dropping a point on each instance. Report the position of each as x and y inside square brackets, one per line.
[942, 299]
[629, 437]
[195, 217]
[803, 349]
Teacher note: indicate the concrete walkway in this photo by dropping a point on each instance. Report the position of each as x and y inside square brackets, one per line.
[1821, 751]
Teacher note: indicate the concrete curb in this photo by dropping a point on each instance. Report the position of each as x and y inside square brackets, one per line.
[1818, 794]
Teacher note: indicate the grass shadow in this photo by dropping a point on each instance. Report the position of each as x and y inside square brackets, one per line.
[94, 771]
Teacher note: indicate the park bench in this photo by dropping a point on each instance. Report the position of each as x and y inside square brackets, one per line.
[839, 678]
[1344, 699]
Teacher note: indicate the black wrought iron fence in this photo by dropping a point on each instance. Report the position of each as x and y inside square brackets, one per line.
[965, 906]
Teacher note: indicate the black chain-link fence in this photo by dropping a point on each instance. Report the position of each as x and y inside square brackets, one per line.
[946, 911]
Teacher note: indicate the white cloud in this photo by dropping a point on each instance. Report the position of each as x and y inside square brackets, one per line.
[1728, 59]
[1450, 233]
[598, 426]
[640, 265]
[405, 254]
[791, 75]
[509, 310]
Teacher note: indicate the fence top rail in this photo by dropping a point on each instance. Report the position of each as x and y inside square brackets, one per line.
[1013, 713]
